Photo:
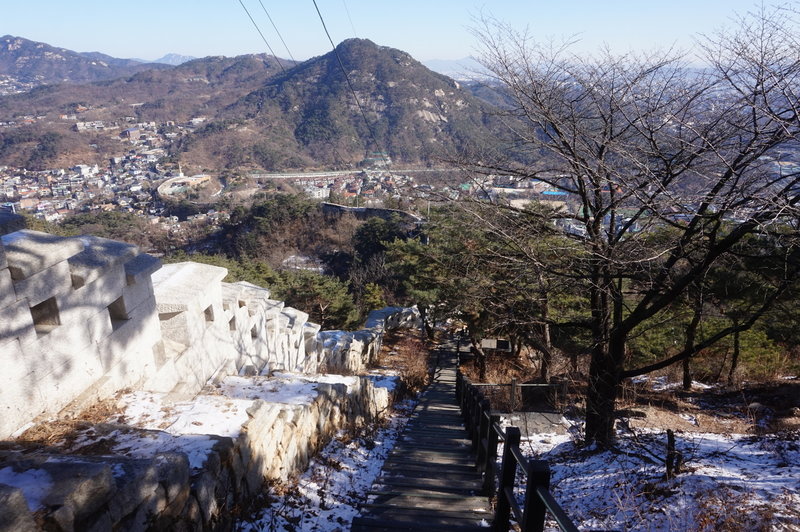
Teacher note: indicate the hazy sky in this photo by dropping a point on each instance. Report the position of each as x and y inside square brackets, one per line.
[427, 29]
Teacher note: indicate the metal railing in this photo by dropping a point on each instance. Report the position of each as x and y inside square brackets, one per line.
[486, 433]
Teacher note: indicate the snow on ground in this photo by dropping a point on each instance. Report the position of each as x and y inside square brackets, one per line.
[326, 496]
[34, 483]
[729, 482]
[220, 410]
[385, 379]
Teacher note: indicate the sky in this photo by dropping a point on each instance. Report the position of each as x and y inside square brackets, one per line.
[427, 29]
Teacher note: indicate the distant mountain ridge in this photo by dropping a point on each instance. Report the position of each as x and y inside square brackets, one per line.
[39, 62]
[174, 59]
[464, 69]
[414, 114]
[264, 113]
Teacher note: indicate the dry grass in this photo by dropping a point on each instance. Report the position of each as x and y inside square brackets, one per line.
[729, 510]
[64, 430]
[407, 353]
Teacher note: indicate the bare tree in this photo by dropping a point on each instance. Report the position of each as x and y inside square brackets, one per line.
[667, 168]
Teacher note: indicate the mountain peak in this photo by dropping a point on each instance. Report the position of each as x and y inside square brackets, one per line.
[30, 60]
[174, 59]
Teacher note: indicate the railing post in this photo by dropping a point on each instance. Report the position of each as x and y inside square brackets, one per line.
[476, 421]
[483, 433]
[513, 394]
[535, 510]
[507, 474]
[490, 466]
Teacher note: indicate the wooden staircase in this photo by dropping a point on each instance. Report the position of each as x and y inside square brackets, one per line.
[429, 481]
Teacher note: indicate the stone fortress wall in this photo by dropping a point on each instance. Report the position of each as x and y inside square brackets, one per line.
[81, 318]
[84, 318]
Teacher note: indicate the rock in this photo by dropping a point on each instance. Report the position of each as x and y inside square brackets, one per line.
[203, 488]
[136, 480]
[14, 513]
[173, 475]
[100, 523]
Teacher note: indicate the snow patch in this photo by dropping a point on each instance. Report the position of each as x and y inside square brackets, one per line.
[34, 483]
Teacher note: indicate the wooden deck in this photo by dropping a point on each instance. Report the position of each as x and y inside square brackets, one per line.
[429, 481]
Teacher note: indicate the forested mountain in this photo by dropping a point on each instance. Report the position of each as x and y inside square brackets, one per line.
[202, 86]
[33, 61]
[272, 114]
[403, 108]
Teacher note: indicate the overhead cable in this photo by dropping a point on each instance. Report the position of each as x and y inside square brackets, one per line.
[276, 30]
[350, 85]
[271, 51]
[352, 26]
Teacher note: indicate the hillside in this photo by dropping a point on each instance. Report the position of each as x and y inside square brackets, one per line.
[265, 113]
[168, 93]
[415, 114]
[32, 61]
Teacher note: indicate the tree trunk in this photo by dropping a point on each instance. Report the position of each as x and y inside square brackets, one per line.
[691, 333]
[601, 397]
[687, 375]
[735, 356]
[426, 325]
[480, 357]
[547, 353]
[608, 356]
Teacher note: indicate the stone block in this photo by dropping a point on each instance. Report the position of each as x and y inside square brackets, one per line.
[82, 486]
[7, 293]
[92, 327]
[16, 322]
[97, 256]
[14, 513]
[141, 267]
[188, 284]
[203, 488]
[173, 475]
[254, 292]
[174, 326]
[137, 293]
[135, 481]
[55, 280]
[64, 374]
[232, 298]
[78, 304]
[137, 334]
[20, 400]
[30, 252]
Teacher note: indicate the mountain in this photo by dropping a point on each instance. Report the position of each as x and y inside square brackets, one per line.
[265, 113]
[202, 86]
[308, 115]
[197, 88]
[113, 61]
[465, 69]
[174, 59]
[31, 61]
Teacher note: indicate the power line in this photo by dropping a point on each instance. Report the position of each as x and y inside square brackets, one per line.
[276, 30]
[352, 26]
[262, 36]
[335, 151]
[350, 85]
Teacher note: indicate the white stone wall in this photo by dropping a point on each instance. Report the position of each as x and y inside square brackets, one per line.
[350, 352]
[284, 436]
[77, 319]
[81, 318]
